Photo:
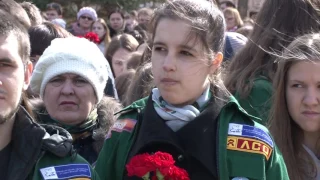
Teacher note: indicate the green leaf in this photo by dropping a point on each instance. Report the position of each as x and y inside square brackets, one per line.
[146, 176]
[159, 175]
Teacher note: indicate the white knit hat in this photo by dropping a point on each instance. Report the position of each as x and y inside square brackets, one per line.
[71, 55]
[88, 10]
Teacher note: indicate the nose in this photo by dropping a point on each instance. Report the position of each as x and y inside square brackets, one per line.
[169, 63]
[311, 97]
[67, 88]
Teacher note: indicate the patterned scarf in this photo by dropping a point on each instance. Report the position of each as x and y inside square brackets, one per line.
[89, 124]
[177, 117]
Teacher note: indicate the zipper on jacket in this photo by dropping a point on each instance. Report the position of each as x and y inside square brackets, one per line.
[30, 175]
[217, 147]
[39, 158]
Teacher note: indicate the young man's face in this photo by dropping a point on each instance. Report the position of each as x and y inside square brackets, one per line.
[52, 14]
[14, 77]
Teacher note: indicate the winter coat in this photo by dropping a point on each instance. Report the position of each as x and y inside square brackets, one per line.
[43, 152]
[258, 102]
[223, 142]
[76, 30]
[89, 144]
[115, 33]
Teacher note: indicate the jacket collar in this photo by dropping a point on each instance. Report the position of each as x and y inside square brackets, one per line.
[26, 145]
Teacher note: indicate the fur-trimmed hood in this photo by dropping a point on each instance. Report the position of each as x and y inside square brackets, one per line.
[105, 109]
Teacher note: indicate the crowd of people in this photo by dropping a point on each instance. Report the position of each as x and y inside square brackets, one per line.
[225, 98]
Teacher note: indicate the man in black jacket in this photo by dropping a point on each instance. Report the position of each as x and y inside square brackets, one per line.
[28, 150]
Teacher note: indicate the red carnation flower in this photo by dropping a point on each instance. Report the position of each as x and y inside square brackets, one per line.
[163, 160]
[93, 37]
[140, 165]
[176, 173]
[161, 164]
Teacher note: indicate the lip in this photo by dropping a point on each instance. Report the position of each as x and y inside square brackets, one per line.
[68, 103]
[169, 81]
[311, 113]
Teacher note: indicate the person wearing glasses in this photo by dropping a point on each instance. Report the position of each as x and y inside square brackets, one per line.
[85, 18]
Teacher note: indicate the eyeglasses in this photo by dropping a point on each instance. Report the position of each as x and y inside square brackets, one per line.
[86, 17]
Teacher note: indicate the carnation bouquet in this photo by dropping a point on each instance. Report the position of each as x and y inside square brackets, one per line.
[91, 36]
[158, 166]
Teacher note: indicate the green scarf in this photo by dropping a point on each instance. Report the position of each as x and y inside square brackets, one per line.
[89, 124]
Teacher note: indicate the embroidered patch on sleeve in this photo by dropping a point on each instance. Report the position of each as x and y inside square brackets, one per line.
[122, 125]
[250, 132]
[249, 145]
[70, 171]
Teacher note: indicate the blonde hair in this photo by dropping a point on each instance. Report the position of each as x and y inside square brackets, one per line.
[145, 11]
[107, 38]
[235, 13]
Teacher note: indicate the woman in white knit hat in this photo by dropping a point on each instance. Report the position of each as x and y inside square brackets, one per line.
[71, 84]
[85, 18]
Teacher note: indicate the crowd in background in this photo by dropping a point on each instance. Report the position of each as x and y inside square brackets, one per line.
[191, 78]
[124, 39]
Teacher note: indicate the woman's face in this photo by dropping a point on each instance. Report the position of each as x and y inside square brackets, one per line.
[119, 61]
[85, 21]
[181, 68]
[230, 20]
[131, 23]
[98, 29]
[116, 21]
[69, 98]
[303, 95]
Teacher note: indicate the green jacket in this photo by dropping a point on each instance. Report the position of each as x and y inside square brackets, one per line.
[245, 157]
[258, 102]
[63, 167]
[40, 152]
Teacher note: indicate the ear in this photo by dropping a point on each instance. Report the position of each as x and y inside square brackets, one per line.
[216, 62]
[27, 74]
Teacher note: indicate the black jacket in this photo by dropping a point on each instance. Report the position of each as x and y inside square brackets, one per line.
[30, 141]
[114, 32]
[193, 152]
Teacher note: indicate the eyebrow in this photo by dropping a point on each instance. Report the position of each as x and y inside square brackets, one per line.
[294, 80]
[183, 46]
[298, 81]
[6, 60]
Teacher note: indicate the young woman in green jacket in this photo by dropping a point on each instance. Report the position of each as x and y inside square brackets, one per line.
[295, 114]
[190, 114]
[250, 74]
